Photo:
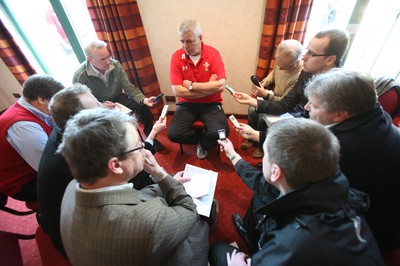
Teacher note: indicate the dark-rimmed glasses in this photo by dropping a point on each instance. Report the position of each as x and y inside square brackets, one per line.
[134, 149]
[312, 54]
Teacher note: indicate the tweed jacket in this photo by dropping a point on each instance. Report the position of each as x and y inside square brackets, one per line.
[117, 228]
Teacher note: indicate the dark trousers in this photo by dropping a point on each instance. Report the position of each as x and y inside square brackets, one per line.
[141, 111]
[256, 122]
[211, 114]
[27, 192]
[141, 180]
[217, 253]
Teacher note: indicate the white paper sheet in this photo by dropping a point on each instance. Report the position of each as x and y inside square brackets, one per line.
[201, 187]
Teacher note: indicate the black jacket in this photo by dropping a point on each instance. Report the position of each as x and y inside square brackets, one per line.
[314, 225]
[292, 103]
[370, 157]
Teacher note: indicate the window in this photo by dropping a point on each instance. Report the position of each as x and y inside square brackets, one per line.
[36, 27]
[374, 47]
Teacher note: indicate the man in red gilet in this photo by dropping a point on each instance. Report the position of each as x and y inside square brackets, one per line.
[24, 130]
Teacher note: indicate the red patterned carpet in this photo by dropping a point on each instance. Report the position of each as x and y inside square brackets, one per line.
[232, 194]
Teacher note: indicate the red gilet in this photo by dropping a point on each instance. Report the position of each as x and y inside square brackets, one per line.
[14, 171]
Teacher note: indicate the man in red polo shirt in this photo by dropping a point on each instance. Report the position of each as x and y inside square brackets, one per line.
[197, 76]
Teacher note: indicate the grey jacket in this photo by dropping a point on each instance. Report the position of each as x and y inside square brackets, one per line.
[118, 82]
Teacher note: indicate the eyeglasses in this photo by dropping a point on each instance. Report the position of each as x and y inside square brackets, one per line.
[312, 54]
[189, 42]
[102, 59]
[135, 149]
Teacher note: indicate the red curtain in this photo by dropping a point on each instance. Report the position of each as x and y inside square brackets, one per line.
[284, 19]
[13, 57]
[118, 23]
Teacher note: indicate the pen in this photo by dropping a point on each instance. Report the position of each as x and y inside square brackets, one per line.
[148, 161]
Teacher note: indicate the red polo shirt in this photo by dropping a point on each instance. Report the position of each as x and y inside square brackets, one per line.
[182, 68]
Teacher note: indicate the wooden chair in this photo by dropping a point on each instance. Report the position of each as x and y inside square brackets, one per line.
[388, 91]
[32, 206]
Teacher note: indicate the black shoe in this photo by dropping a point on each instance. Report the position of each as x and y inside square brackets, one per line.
[157, 145]
[238, 222]
[241, 229]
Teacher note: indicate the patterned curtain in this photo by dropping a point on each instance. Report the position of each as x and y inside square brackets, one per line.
[13, 57]
[118, 23]
[284, 19]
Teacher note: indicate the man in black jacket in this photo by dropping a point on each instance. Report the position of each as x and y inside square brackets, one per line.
[346, 102]
[324, 52]
[303, 211]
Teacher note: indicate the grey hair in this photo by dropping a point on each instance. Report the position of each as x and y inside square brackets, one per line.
[94, 45]
[190, 25]
[305, 150]
[91, 138]
[341, 90]
[291, 48]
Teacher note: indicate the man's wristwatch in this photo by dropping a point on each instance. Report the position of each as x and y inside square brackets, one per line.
[191, 86]
[161, 175]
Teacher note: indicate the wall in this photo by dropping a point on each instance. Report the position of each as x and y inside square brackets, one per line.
[231, 26]
[8, 86]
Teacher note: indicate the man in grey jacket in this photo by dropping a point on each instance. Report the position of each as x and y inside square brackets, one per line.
[104, 220]
[108, 82]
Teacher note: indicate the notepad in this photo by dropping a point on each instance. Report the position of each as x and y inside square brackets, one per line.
[270, 119]
[201, 187]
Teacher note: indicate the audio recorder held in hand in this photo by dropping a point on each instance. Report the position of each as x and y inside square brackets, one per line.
[164, 111]
[158, 97]
[229, 88]
[255, 80]
[234, 121]
[221, 134]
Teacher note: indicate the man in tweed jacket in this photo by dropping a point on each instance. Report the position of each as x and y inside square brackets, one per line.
[104, 220]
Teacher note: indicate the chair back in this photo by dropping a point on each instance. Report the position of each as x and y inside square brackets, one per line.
[48, 252]
[388, 91]
[32, 209]
[32, 206]
[10, 251]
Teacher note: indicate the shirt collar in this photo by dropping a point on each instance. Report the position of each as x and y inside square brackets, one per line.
[42, 116]
[93, 71]
[109, 188]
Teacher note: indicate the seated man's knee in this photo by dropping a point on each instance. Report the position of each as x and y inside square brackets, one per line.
[252, 112]
[173, 135]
